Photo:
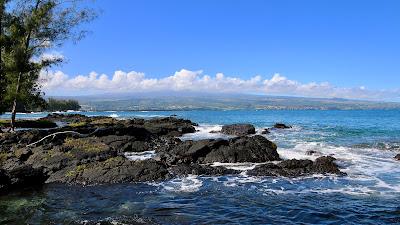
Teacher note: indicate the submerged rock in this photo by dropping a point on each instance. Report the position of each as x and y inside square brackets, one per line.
[295, 168]
[238, 129]
[281, 126]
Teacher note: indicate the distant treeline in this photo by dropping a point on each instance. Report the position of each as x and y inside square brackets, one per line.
[61, 105]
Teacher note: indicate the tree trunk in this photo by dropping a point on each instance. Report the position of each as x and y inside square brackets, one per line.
[14, 108]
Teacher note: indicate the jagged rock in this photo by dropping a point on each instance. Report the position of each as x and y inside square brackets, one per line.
[17, 174]
[238, 129]
[29, 124]
[4, 180]
[281, 126]
[241, 149]
[170, 126]
[295, 168]
[265, 131]
[70, 118]
[97, 156]
[312, 152]
[196, 169]
[113, 170]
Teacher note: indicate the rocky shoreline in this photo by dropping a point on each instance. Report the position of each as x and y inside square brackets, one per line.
[92, 150]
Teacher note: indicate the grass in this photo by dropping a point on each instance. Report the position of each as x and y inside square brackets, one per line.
[113, 159]
[103, 121]
[85, 144]
[78, 124]
[3, 157]
[77, 170]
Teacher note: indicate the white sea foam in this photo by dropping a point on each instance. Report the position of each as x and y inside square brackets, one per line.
[206, 131]
[191, 183]
[114, 115]
[237, 166]
[370, 171]
[136, 156]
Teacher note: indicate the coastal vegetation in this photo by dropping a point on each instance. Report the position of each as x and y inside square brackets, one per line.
[53, 105]
[30, 29]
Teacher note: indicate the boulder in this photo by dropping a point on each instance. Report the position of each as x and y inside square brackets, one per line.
[244, 149]
[17, 174]
[238, 129]
[312, 152]
[169, 126]
[281, 126]
[113, 170]
[4, 181]
[295, 168]
[241, 149]
[397, 157]
[41, 123]
[67, 118]
[196, 169]
[265, 131]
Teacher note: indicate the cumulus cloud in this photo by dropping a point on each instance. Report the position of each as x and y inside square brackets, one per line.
[195, 81]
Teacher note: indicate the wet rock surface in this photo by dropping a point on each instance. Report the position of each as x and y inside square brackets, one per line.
[197, 169]
[91, 150]
[240, 149]
[29, 124]
[295, 168]
[397, 157]
[238, 129]
[281, 126]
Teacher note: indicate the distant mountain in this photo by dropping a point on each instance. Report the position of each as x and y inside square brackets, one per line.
[192, 101]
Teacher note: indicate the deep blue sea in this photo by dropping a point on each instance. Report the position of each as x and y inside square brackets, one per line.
[364, 143]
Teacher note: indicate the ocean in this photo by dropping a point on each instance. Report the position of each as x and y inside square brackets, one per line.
[363, 141]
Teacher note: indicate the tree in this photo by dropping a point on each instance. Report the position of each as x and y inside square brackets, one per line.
[3, 43]
[62, 105]
[34, 27]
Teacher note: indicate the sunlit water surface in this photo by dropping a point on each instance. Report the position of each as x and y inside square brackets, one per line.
[364, 142]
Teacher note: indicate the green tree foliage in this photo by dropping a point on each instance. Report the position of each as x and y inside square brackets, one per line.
[32, 27]
[3, 43]
[62, 105]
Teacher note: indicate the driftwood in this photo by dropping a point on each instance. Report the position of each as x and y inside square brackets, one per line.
[63, 132]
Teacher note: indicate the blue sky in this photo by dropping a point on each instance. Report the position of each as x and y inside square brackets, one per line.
[349, 44]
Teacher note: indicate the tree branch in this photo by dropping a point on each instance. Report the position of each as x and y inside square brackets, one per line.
[63, 132]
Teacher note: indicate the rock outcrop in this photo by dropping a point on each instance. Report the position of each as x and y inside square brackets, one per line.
[91, 150]
[241, 149]
[295, 168]
[238, 129]
[113, 170]
[281, 126]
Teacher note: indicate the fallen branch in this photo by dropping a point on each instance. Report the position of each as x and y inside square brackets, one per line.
[63, 132]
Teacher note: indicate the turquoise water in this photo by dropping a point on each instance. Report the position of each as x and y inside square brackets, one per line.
[364, 142]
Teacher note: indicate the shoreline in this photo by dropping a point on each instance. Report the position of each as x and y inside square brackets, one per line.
[92, 150]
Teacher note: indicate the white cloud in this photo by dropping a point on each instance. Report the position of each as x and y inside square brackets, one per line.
[195, 81]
